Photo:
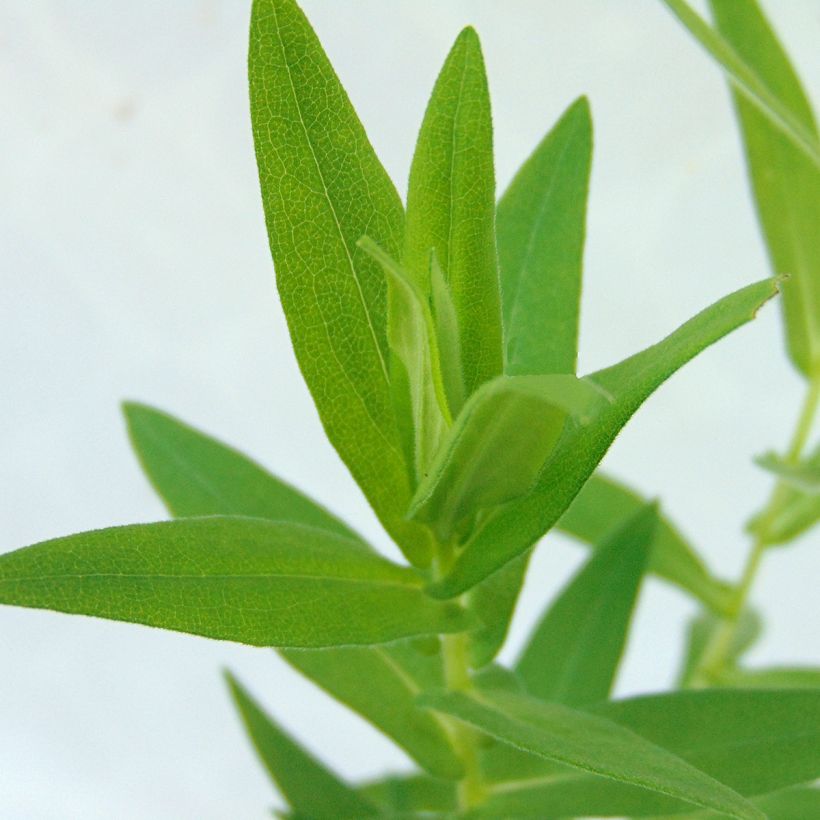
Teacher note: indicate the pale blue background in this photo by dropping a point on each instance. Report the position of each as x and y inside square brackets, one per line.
[135, 264]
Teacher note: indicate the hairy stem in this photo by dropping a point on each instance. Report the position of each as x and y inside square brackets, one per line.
[714, 658]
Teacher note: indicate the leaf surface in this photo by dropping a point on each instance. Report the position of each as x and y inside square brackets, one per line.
[411, 793]
[803, 476]
[585, 741]
[572, 655]
[309, 787]
[514, 528]
[451, 206]
[322, 189]
[773, 677]
[799, 803]
[249, 580]
[541, 222]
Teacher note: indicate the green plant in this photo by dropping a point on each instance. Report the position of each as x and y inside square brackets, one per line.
[439, 343]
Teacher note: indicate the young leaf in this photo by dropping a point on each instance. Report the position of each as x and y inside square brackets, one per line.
[451, 206]
[249, 580]
[447, 336]
[604, 503]
[773, 677]
[541, 221]
[497, 446]
[803, 476]
[310, 788]
[322, 189]
[587, 742]
[514, 528]
[796, 513]
[197, 475]
[786, 182]
[411, 795]
[573, 653]
[748, 81]
[382, 683]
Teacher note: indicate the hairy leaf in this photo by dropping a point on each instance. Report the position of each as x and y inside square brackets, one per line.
[451, 206]
[604, 503]
[322, 189]
[541, 221]
[574, 651]
[310, 788]
[249, 580]
[514, 528]
[587, 742]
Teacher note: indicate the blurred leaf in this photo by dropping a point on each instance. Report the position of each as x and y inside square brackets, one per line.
[773, 677]
[604, 503]
[497, 446]
[265, 583]
[332, 292]
[309, 787]
[585, 741]
[413, 793]
[796, 513]
[382, 683]
[451, 206]
[573, 653]
[540, 248]
[803, 476]
[514, 528]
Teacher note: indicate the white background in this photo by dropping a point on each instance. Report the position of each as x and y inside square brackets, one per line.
[135, 264]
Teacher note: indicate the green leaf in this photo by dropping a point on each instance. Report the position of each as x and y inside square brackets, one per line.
[753, 741]
[514, 528]
[249, 580]
[585, 741]
[197, 475]
[411, 793]
[796, 513]
[447, 336]
[497, 446]
[541, 220]
[573, 654]
[785, 181]
[803, 476]
[309, 787]
[413, 341]
[799, 803]
[451, 206]
[748, 81]
[773, 677]
[604, 503]
[322, 189]
[382, 683]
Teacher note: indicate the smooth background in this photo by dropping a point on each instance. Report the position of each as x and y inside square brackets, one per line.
[135, 264]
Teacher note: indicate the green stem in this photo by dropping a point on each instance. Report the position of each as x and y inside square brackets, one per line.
[714, 658]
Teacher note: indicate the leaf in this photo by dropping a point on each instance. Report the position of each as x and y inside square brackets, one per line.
[447, 336]
[604, 503]
[451, 206]
[558, 733]
[197, 475]
[786, 183]
[497, 446]
[382, 683]
[574, 651]
[249, 580]
[514, 529]
[413, 340]
[754, 742]
[322, 189]
[308, 786]
[540, 248]
[803, 476]
[411, 793]
[796, 513]
[773, 677]
[748, 81]
[799, 803]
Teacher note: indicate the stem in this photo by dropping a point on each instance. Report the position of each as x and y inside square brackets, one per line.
[714, 658]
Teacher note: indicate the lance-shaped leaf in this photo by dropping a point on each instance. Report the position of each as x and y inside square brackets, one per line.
[786, 182]
[196, 475]
[573, 653]
[747, 79]
[803, 475]
[259, 582]
[604, 503]
[798, 803]
[411, 795]
[755, 742]
[451, 206]
[590, 743]
[382, 684]
[514, 528]
[541, 223]
[498, 444]
[323, 188]
[309, 787]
